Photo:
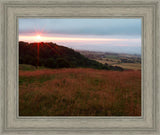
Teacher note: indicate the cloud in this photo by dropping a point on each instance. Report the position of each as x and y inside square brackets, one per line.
[81, 26]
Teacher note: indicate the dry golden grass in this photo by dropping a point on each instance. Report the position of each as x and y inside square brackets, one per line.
[128, 66]
[79, 92]
[132, 66]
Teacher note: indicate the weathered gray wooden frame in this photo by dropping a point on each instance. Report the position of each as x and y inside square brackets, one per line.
[147, 10]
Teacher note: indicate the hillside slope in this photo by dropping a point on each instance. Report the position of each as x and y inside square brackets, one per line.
[55, 56]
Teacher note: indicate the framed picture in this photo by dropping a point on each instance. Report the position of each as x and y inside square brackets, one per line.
[65, 70]
[88, 67]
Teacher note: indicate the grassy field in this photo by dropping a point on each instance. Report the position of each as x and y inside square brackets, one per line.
[132, 66]
[115, 62]
[79, 92]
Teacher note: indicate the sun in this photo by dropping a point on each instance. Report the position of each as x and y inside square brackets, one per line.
[38, 38]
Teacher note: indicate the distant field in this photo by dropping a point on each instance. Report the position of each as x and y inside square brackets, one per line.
[133, 66]
[78, 92]
[126, 61]
[114, 62]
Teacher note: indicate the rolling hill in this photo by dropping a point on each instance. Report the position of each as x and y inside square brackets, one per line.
[52, 55]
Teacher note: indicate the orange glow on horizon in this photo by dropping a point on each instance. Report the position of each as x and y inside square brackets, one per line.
[50, 39]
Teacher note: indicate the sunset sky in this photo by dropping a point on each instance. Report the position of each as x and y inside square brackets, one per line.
[107, 35]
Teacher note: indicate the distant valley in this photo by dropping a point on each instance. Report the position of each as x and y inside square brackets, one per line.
[126, 61]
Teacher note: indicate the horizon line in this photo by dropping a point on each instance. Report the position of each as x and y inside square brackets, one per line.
[84, 49]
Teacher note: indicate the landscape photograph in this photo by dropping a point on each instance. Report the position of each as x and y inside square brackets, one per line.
[79, 67]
